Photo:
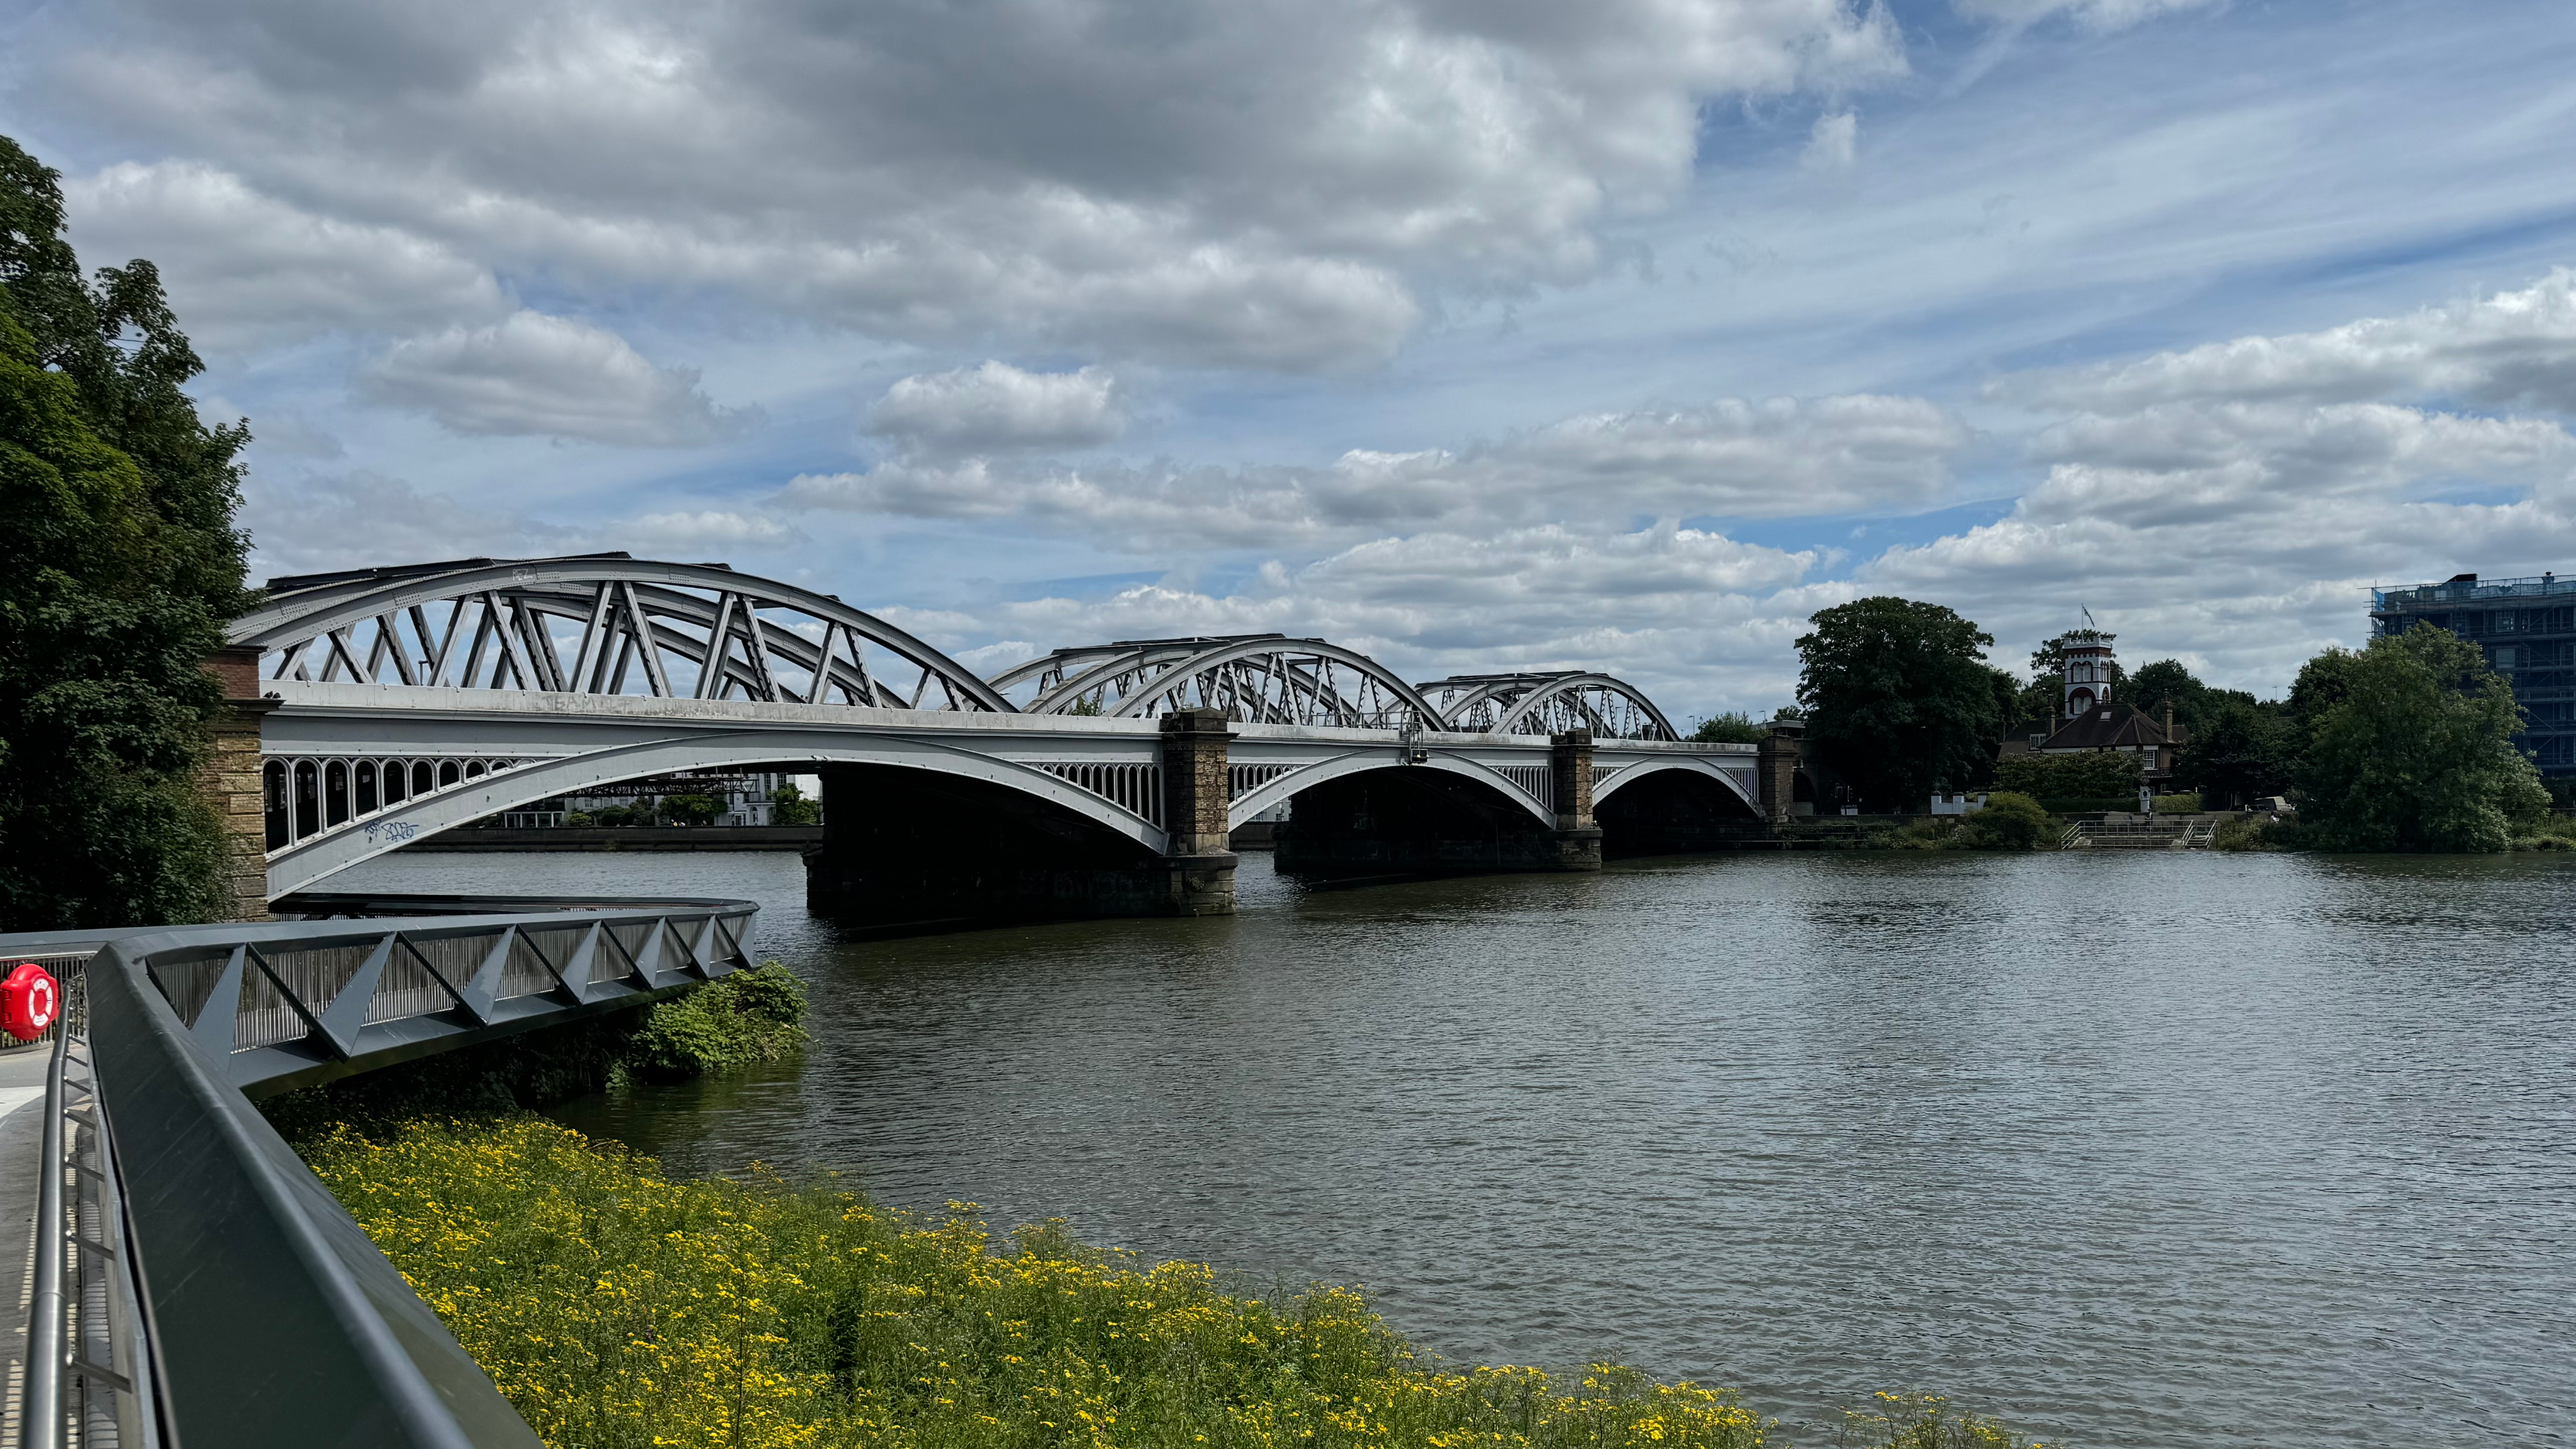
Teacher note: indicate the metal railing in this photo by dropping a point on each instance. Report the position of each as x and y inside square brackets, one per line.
[193, 1281]
[87, 1313]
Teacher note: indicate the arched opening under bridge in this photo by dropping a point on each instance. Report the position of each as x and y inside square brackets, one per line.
[1400, 820]
[1673, 810]
[906, 846]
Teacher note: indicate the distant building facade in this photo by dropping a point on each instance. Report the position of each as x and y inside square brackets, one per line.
[2088, 723]
[2527, 627]
[743, 798]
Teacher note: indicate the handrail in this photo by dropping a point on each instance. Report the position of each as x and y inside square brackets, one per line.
[40, 1411]
[260, 1313]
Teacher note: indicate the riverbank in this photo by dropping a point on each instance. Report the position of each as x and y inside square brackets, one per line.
[615, 1304]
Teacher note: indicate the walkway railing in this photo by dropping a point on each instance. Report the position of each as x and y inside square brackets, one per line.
[194, 1282]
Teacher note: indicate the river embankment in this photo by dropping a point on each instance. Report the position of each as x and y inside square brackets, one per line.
[2136, 1148]
[613, 1303]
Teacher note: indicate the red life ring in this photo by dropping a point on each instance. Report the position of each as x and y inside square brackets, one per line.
[29, 1001]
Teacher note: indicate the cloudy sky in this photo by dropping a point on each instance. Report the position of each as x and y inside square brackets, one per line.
[1474, 335]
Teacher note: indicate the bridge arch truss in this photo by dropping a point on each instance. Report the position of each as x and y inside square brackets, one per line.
[600, 624]
[1550, 703]
[1252, 678]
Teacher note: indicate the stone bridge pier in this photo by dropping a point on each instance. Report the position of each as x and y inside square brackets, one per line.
[904, 846]
[1408, 821]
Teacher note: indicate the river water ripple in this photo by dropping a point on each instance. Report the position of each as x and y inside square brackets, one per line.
[2133, 1149]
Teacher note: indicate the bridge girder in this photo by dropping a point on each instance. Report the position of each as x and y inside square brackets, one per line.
[1060, 782]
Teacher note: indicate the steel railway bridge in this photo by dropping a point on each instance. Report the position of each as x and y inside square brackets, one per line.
[369, 709]
[382, 705]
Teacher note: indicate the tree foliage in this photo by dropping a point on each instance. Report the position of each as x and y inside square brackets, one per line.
[2091, 775]
[691, 809]
[1732, 728]
[2409, 747]
[2010, 821]
[1898, 698]
[118, 566]
[2238, 751]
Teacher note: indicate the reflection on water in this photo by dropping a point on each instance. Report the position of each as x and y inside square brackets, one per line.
[2137, 1149]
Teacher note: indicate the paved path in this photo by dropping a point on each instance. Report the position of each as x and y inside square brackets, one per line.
[22, 1123]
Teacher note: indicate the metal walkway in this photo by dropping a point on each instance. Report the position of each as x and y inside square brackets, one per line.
[187, 1279]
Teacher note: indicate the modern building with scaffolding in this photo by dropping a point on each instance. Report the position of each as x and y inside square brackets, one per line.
[2527, 628]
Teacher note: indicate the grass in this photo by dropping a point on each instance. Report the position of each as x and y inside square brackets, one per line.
[616, 1306]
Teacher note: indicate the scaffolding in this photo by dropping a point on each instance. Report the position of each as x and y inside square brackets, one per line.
[2527, 629]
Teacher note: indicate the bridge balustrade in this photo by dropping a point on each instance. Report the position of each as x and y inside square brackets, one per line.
[304, 795]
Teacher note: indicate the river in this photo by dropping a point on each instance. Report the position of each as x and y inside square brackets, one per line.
[2131, 1148]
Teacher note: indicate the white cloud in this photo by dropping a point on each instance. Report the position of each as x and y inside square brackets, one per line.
[997, 408]
[2244, 534]
[1833, 143]
[2509, 348]
[1783, 457]
[1249, 186]
[2095, 14]
[554, 377]
[306, 524]
[247, 270]
[1661, 607]
[704, 529]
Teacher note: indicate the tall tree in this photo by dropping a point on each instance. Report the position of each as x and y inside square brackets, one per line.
[2238, 751]
[119, 564]
[1898, 698]
[2165, 683]
[2410, 747]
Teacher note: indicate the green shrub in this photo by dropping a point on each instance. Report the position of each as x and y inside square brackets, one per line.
[750, 1016]
[2010, 821]
[691, 809]
[2178, 804]
[2088, 805]
[2092, 775]
[788, 806]
[2247, 833]
[2549, 832]
[1930, 832]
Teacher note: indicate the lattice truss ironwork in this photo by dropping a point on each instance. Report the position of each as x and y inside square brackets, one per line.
[1541, 704]
[600, 624]
[615, 625]
[1255, 678]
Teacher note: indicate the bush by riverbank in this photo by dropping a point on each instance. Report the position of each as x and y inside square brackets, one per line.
[2264, 833]
[615, 1306]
